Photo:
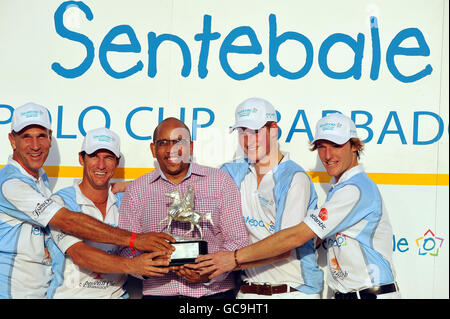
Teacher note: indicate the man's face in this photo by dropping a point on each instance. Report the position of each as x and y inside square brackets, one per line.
[98, 168]
[172, 149]
[31, 147]
[256, 143]
[337, 159]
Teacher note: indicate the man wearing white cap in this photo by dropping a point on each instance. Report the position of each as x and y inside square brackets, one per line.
[30, 262]
[93, 270]
[276, 193]
[353, 220]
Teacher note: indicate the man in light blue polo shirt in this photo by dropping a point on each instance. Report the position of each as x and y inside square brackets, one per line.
[276, 193]
[30, 262]
[94, 270]
[353, 217]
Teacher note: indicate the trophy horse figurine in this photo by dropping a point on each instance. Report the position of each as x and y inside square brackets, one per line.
[182, 209]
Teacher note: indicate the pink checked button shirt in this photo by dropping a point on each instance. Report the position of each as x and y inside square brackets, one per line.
[144, 206]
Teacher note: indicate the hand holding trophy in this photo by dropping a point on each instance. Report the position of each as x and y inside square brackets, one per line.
[182, 209]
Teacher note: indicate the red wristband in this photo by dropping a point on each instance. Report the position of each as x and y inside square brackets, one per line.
[131, 244]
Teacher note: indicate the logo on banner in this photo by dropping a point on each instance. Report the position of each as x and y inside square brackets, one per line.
[429, 244]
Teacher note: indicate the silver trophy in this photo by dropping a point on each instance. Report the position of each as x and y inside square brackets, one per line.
[182, 209]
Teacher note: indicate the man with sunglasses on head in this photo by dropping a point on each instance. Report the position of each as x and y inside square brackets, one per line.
[145, 205]
[276, 193]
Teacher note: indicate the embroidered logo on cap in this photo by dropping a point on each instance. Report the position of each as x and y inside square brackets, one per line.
[31, 113]
[103, 138]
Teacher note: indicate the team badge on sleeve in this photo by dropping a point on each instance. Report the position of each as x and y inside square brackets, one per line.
[323, 214]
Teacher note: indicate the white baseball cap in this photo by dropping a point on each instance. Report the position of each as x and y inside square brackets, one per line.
[335, 127]
[101, 138]
[30, 114]
[254, 113]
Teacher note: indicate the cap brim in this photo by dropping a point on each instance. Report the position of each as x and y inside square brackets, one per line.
[93, 149]
[332, 138]
[248, 124]
[23, 125]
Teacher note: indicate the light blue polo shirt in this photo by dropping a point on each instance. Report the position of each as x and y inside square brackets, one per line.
[280, 201]
[355, 226]
[30, 263]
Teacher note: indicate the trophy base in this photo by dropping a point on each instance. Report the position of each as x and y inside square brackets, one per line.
[187, 250]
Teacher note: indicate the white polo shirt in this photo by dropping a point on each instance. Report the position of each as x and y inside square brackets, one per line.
[355, 226]
[81, 282]
[25, 242]
[281, 201]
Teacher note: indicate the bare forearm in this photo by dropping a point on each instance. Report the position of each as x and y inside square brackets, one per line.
[263, 261]
[269, 249]
[96, 260]
[276, 244]
[88, 228]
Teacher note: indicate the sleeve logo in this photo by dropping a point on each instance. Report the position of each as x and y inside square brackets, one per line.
[323, 214]
[42, 206]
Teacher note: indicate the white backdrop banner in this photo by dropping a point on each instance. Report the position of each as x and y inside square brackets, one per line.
[127, 65]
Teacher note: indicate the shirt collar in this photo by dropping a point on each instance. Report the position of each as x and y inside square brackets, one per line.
[23, 171]
[193, 169]
[83, 200]
[286, 157]
[347, 175]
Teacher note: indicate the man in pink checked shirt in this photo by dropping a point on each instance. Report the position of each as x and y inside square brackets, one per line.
[144, 205]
